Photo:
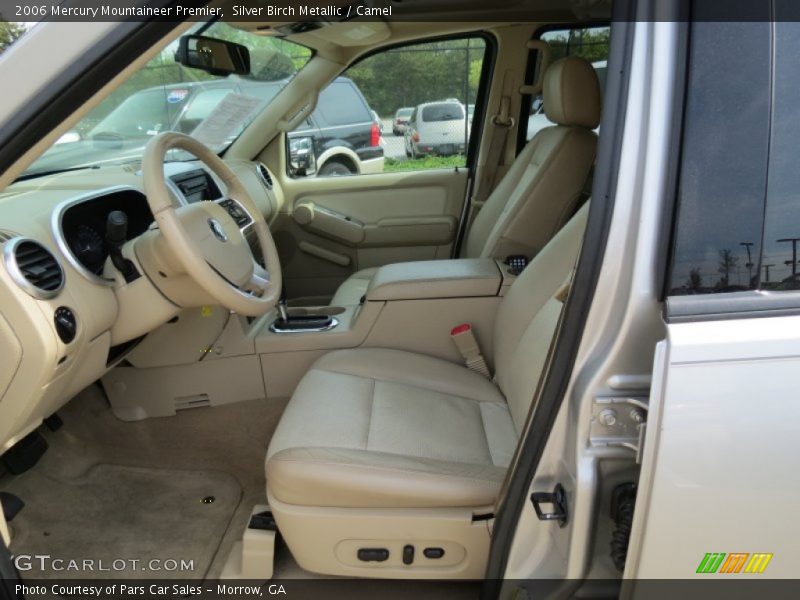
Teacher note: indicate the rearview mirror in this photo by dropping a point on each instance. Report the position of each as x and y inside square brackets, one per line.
[218, 57]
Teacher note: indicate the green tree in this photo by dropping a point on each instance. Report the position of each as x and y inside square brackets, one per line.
[420, 73]
[9, 33]
[591, 44]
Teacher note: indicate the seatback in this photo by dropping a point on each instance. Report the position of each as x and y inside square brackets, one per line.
[540, 191]
[527, 318]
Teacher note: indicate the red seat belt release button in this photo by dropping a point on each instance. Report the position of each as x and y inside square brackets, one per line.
[467, 345]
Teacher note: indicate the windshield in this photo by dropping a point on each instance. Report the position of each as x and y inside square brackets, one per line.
[166, 96]
[144, 113]
[450, 111]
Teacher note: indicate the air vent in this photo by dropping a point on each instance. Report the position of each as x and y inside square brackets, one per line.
[265, 176]
[198, 401]
[33, 267]
[196, 186]
[5, 236]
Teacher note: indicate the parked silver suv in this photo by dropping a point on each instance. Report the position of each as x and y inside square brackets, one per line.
[437, 128]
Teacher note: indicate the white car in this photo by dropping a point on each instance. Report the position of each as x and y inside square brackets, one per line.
[439, 128]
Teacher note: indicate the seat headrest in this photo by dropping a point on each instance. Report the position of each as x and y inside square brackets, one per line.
[571, 93]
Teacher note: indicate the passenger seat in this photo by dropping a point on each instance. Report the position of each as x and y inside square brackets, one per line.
[387, 463]
[542, 189]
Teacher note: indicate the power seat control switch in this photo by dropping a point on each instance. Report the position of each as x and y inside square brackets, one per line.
[66, 325]
[373, 554]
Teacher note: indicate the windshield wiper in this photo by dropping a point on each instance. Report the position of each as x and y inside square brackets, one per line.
[26, 176]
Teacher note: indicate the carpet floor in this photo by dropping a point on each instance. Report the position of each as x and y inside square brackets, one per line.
[120, 515]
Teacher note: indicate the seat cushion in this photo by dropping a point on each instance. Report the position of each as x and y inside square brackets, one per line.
[353, 288]
[374, 427]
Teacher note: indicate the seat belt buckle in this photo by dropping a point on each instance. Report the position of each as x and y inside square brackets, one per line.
[467, 345]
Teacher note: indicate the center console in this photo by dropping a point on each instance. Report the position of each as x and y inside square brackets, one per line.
[409, 306]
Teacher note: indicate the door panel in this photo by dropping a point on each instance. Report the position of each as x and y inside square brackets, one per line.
[384, 205]
[719, 467]
[335, 226]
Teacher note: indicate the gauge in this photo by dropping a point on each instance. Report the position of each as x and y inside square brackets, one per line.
[89, 248]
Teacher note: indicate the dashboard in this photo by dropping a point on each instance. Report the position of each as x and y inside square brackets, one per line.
[63, 321]
[82, 225]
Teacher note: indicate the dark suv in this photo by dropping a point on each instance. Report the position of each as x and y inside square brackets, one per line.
[342, 132]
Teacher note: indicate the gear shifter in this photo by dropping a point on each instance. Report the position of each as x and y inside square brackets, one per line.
[283, 315]
[286, 323]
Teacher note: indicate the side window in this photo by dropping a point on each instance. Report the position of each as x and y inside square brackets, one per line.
[739, 187]
[407, 108]
[779, 252]
[590, 43]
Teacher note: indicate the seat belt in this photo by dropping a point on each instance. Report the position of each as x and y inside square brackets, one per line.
[499, 157]
[467, 345]
[501, 122]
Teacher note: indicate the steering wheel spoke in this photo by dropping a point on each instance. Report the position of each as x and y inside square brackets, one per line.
[259, 281]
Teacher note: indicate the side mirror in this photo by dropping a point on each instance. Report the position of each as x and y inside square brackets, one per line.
[218, 57]
[302, 161]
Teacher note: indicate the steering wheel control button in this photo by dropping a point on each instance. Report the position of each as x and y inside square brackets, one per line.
[236, 212]
[66, 325]
[408, 554]
[433, 553]
[373, 554]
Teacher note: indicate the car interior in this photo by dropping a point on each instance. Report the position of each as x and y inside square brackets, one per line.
[211, 358]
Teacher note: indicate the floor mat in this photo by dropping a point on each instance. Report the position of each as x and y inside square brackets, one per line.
[123, 514]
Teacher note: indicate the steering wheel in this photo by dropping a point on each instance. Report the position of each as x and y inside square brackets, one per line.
[205, 238]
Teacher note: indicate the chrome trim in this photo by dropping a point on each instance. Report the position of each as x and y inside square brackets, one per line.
[274, 329]
[16, 274]
[58, 231]
[217, 230]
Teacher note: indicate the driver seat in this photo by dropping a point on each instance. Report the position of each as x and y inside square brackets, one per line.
[388, 463]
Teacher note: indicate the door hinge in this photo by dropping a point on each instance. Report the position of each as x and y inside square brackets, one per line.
[619, 422]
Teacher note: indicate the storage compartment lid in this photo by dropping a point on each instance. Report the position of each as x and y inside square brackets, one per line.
[457, 278]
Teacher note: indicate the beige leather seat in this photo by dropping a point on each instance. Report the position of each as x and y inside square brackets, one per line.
[540, 191]
[387, 449]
